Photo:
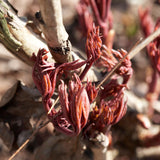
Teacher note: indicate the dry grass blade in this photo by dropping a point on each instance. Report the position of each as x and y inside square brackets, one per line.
[135, 50]
[144, 43]
[53, 105]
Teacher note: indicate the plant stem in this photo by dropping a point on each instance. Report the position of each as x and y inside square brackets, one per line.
[131, 54]
[54, 31]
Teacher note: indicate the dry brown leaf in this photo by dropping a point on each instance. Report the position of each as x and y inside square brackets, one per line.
[25, 102]
[8, 95]
[23, 105]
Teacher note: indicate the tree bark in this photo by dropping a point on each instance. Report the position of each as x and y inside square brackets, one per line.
[52, 26]
[16, 37]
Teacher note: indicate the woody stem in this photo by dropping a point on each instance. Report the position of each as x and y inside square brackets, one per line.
[55, 34]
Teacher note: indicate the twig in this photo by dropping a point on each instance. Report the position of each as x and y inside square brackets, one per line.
[53, 105]
[131, 54]
[55, 34]
[27, 141]
[16, 37]
[144, 43]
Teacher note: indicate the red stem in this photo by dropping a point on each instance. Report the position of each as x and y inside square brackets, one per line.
[96, 13]
[153, 84]
[108, 8]
[88, 66]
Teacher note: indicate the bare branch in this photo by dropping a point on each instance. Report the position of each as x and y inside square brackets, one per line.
[52, 26]
[136, 49]
[16, 37]
[144, 43]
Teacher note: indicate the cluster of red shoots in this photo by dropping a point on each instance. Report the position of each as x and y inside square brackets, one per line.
[153, 50]
[96, 12]
[83, 107]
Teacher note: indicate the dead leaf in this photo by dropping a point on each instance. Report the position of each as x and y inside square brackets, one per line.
[8, 95]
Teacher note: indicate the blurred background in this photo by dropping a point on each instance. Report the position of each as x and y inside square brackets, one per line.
[126, 135]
